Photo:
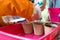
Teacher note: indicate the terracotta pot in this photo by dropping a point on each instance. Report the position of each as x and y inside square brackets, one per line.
[28, 28]
[38, 28]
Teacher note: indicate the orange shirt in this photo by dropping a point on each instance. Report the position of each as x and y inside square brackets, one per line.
[22, 8]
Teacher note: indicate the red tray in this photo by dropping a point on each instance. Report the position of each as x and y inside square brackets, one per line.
[15, 32]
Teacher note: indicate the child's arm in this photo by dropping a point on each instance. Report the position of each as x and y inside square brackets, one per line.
[35, 3]
[43, 5]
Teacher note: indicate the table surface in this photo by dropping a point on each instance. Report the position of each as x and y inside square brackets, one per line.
[23, 36]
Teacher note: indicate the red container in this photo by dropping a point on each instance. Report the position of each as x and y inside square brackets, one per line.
[54, 14]
[15, 32]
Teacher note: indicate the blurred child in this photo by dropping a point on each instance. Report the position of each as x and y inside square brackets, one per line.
[39, 6]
